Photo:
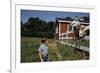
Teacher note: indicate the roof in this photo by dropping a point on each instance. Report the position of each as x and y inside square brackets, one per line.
[84, 23]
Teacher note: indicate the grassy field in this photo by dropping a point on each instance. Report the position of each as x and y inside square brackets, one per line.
[82, 42]
[57, 51]
[29, 48]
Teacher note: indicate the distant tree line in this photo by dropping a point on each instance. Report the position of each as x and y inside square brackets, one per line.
[35, 27]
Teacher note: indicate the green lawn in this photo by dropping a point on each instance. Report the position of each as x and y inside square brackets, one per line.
[29, 48]
[57, 51]
[67, 52]
[85, 43]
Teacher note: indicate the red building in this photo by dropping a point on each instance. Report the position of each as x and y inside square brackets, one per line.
[64, 30]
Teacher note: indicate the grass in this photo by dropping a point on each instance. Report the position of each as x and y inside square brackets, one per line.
[82, 43]
[57, 51]
[67, 52]
[29, 48]
[54, 54]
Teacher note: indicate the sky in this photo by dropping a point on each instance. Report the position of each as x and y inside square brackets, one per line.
[48, 15]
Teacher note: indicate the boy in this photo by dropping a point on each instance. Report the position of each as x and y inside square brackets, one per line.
[43, 50]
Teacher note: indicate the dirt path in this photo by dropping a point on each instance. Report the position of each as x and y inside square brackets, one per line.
[54, 49]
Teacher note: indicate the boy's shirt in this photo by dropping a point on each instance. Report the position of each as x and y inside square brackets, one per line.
[43, 49]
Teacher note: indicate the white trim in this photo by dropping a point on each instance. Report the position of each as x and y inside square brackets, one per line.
[68, 32]
[59, 30]
[56, 29]
[66, 38]
[71, 22]
[84, 23]
[64, 21]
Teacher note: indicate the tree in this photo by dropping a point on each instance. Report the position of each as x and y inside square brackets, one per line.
[86, 19]
[36, 27]
[68, 18]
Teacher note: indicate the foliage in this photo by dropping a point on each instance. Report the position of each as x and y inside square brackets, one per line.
[29, 48]
[83, 42]
[67, 52]
[36, 27]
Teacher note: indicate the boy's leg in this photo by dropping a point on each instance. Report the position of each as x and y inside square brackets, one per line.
[45, 59]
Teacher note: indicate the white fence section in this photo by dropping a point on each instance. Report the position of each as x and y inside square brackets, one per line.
[63, 37]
